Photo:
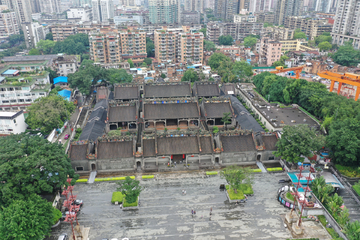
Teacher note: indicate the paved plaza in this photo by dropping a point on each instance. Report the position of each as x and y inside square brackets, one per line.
[166, 214]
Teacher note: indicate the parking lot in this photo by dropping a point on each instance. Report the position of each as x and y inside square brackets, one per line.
[166, 214]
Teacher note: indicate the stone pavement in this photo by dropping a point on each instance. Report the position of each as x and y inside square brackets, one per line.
[166, 214]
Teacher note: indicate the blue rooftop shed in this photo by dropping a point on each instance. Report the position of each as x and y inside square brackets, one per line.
[65, 94]
[62, 80]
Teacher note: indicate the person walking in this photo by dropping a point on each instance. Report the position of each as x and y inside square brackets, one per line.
[192, 211]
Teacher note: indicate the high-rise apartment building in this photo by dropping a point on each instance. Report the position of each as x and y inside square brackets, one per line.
[270, 51]
[347, 22]
[178, 45]
[50, 6]
[226, 9]
[35, 6]
[103, 10]
[22, 9]
[164, 11]
[194, 5]
[108, 45]
[311, 27]
[105, 46]
[325, 6]
[8, 24]
[260, 6]
[133, 45]
[287, 8]
[33, 33]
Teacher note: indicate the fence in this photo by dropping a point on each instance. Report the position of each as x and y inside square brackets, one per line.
[331, 220]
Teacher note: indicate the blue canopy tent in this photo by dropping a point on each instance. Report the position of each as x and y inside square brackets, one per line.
[61, 79]
[65, 94]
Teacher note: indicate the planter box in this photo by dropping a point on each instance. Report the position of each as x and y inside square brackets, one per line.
[234, 201]
[131, 208]
[56, 224]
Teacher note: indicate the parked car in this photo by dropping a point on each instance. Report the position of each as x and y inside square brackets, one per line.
[63, 236]
[284, 180]
[66, 136]
[78, 202]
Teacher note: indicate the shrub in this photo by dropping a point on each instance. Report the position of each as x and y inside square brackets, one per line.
[134, 204]
[356, 188]
[112, 179]
[215, 129]
[211, 173]
[57, 215]
[256, 170]
[246, 189]
[236, 196]
[147, 176]
[274, 169]
[348, 171]
[82, 180]
[289, 196]
[117, 197]
[331, 231]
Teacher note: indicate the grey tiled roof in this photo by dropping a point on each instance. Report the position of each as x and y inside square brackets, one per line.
[177, 145]
[154, 91]
[206, 145]
[122, 114]
[241, 143]
[126, 92]
[217, 110]
[149, 147]
[78, 152]
[207, 90]
[171, 111]
[270, 142]
[115, 150]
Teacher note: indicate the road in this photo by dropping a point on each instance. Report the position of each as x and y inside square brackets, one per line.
[166, 214]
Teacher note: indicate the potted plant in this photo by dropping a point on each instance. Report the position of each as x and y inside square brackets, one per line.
[217, 150]
[138, 154]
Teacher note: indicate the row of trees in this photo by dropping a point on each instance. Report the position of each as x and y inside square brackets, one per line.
[31, 166]
[74, 44]
[89, 75]
[333, 204]
[228, 70]
[339, 116]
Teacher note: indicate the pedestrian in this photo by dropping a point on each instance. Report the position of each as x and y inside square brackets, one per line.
[192, 211]
[237, 202]
[72, 129]
[168, 164]
[210, 209]
[175, 164]
[184, 192]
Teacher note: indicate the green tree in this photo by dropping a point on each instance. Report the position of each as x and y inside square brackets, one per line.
[235, 176]
[216, 59]
[16, 39]
[203, 30]
[26, 219]
[249, 42]
[45, 46]
[242, 71]
[85, 57]
[209, 45]
[321, 190]
[49, 112]
[190, 76]
[130, 188]
[131, 63]
[297, 141]
[31, 164]
[352, 230]
[226, 40]
[49, 36]
[323, 38]
[34, 51]
[150, 48]
[226, 119]
[298, 34]
[344, 140]
[144, 64]
[119, 76]
[52, 74]
[163, 75]
[148, 61]
[268, 25]
[325, 46]
[346, 55]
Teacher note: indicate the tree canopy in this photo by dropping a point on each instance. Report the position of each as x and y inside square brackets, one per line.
[34, 51]
[324, 46]
[49, 112]
[209, 45]
[26, 219]
[346, 55]
[89, 75]
[226, 40]
[249, 41]
[190, 76]
[297, 142]
[49, 36]
[45, 46]
[150, 47]
[31, 164]
[216, 59]
[203, 30]
[131, 63]
[298, 34]
[236, 176]
[130, 188]
[148, 61]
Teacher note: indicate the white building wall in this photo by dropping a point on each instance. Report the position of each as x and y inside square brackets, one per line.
[12, 125]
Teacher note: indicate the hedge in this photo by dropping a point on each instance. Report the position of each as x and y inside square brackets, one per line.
[212, 173]
[82, 180]
[117, 197]
[356, 188]
[256, 170]
[235, 196]
[112, 179]
[274, 169]
[134, 204]
[147, 176]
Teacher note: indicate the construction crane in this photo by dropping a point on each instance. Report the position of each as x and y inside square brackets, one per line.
[281, 69]
[347, 78]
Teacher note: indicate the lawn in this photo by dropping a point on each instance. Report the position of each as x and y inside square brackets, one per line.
[117, 197]
[356, 188]
[235, 196]
[134, 204]
[246, 189]
[348, 171]
[289, 196]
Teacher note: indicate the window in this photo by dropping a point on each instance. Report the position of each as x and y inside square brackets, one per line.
[21, 100]
[79, 168]
[28, 100]
[5, 101]
[13, 101]
[41, 94]
[10, 130]
[14, 120]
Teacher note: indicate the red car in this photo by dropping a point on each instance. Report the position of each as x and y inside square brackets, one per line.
[66, 136]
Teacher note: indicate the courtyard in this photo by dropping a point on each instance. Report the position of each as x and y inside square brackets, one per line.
[165, 213]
